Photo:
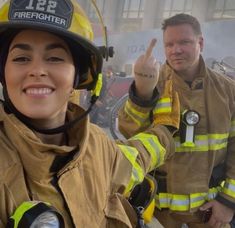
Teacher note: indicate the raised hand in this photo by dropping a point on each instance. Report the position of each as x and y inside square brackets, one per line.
[146, 72]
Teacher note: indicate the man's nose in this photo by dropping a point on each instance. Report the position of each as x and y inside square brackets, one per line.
[176, 49]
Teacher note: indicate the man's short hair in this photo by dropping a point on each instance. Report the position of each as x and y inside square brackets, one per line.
[180, 19]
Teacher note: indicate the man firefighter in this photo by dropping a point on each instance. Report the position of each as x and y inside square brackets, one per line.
[197, 185]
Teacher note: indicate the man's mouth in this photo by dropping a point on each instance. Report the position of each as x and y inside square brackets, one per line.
[176, 60]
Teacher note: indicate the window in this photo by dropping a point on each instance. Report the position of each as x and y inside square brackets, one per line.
[133, 9]
[173, 7]
[2, 1]
[224, 9]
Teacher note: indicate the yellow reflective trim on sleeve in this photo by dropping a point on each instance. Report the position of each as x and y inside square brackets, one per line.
[163, 106]
[213, 193]
[229, 187]
[196, 199]
[137, 174]
[173, 202]
[153, 146]
[140, 118]
[203, 143]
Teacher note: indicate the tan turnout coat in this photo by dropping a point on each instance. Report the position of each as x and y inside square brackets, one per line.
[189, 170]
[84, 181]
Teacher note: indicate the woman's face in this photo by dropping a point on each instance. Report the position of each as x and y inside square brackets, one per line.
[39, 74]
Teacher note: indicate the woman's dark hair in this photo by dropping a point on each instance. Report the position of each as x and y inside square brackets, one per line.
[5, 41]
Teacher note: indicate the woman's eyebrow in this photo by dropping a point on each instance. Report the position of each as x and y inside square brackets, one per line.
[56, 45]
[22, 46]
[27, 47]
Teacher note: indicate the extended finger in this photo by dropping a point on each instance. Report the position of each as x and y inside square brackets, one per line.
[151, 61]
[149, 50]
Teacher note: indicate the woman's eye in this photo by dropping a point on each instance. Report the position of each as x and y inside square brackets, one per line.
[55, 59]
[21, 59]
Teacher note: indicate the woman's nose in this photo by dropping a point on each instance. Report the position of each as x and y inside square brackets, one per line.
[37, 69]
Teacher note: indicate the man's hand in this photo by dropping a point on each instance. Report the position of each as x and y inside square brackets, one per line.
[146, 71]
[221, 214]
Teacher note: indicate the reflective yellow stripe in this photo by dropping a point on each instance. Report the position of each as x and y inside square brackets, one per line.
[140, 118]
[173, 202]
[98, 86]
[137, 174]
[20, 211]
[153, 146]
[176, 202]
[232, 129]
[203, 143]
[229, 187]
[163, 106]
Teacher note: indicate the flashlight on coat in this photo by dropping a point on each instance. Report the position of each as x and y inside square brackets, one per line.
[190, 118]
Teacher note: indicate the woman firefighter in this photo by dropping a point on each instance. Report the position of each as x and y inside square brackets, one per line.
[56, 167]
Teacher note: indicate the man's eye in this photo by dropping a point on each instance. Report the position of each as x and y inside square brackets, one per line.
[21, 59]
[185, 42]
[168, 45]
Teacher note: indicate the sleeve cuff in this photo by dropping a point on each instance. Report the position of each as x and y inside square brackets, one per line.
[225, 202]
[140, 102]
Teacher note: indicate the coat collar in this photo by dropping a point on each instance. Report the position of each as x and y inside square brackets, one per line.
[168, 73]
[37, 157]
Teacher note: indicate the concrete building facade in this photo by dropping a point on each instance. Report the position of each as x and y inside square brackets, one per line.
[139, 15]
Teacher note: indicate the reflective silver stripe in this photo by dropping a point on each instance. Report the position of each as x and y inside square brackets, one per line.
[185, 202]
[140, 118]
[174, 201]
[137, 174]
[153, 146]
[203, 143]
[212, 195]
[163, 106]
[229, 187]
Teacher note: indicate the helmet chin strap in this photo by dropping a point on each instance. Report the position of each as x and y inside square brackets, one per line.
[10, 108]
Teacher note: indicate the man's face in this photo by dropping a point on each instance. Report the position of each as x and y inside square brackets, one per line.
[182, 48]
